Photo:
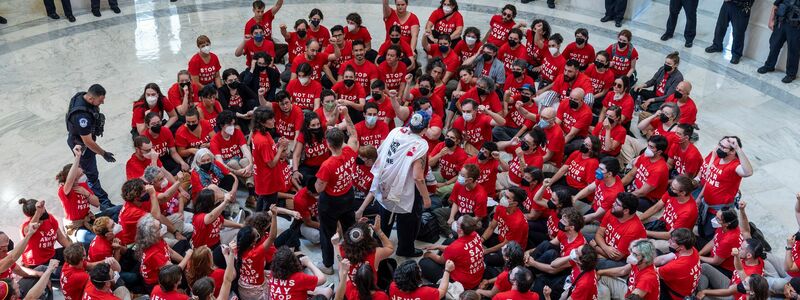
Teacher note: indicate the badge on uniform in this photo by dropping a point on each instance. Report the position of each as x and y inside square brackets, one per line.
[83, 122]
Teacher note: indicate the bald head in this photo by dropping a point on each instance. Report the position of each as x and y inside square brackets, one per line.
[684, 87]
[548, 113]
[577, 94]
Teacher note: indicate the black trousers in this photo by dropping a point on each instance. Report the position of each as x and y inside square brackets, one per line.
[647, 94]
[407, 226]
[88, 163]
[50, 7]
[688, 6]
[332, 211]
[96, 4]
[730, 13]
[615, 9]
[784, 33]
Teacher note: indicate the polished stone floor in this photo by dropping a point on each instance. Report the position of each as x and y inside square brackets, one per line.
[44, 62]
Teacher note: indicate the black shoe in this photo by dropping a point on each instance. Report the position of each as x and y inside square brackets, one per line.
[735, 60]
[523, 1]
[115, 9]
[3, 20]
[417, 253]
[605, 19]
[173, 0]
[765, 70]
[688, 44]
[551, 5]
[54, 16]
[96, 13]
[618, 24]
[712, 49]
[788, 78]
[71, 18]
[665, 37]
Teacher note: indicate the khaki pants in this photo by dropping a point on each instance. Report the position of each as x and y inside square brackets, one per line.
[630, 150]
[617, 287]
[238, 164]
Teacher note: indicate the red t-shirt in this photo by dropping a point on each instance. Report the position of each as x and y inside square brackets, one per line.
[688, 110]
[515, 120]
[405, 49]
[513, 85]
[748, 270]
[361, 34]
[162, 143]
[405, 27]
[322, 35]
[463, 51]
[345, 54]
[296, 286]
[581, 170]
[264, 151]
[317, 63]
[40, 248]
[511, 227]
[287, 123]
[175, 94]
[392, 77]
[529, 204]
[421, 293]
[372, 136]
[305, 204]
[303, 95]
[73, 281]
[645, 280]
[186, 139]
[492, 101]
[362, 178]
[477, 131]
[351, 94]
[488, 169]
[795, 258]
[206, 234]
[600, 81]
[297, 46]
[204, 71]
[724, 242]
[99, 249]
[508, 55]
[365, 73]
[324, 120]
[266, 24]
[253, 263]
[617, 133]
[604, 196]
[129, 215]
[230, 148]
[552, 67]
[450, 164]
[655, 174]
[584, 56]
[154, 257]
[250, 49]
[445, 25]
[580, 119]
[336, 171]
[467, 254]
[563, 88]
[516, 295]
[76, 206]
[315, 152]
[720, 181]
[675, 276]
[140, 109]
[92, 293]
[621, 63]
[134, 168]
[210, 114]
[532, 159]
[160, 294]
[586, 286]
[625, 103]
[678, 215]
[469, 201]
[498, 30]
[619, 235]
[535, 53]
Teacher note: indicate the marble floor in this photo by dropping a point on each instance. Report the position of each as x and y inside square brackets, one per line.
[44, 62]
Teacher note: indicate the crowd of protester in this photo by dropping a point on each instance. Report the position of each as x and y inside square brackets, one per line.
[548, 171]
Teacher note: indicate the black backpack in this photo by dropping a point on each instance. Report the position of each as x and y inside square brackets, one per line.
[428, 228]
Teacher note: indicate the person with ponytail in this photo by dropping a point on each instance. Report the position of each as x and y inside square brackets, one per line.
[203, 288]
[407, 283]
[266, 155]
[363, 280]
[288, 279]
[360, 248]
[41, 247]
[252, 252]
[76, 197]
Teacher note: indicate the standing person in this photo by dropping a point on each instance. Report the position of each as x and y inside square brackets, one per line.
[84, 124]
[266, 154]
[50, 7]
[264, 18]
[688, 6]
[785, 29]
[334, 184]
[399, 184]
[111, 3]
[615, 10]
[737, 13]
[408, 21]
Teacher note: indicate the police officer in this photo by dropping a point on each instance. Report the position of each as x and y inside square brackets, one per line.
[736, 12]
[84, 125]
[689, 32]
[615, 10]
[785, 25]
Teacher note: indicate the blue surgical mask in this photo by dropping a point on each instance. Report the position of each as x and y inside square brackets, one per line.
[543, 124]
[371, 120]
[258, 38]
[599, 174]
[461, 180]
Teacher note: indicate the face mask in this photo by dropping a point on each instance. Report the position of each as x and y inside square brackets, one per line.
[316, 131]
[449, 143]
[377, 96]
[184, 84]
[117, 229]
[116, 276]
[429, 111]
[584, 148]
[649, 153]
[503, 202]
[145, 197]
[599, 65]
[512, 43]
[562, 227]
[329, 106]
[580, 41]
[486, 57]
[443, 48]
[740, 288]
[156, 129]
[671, 192]
[164, 183]
[151, 100]
[351, 27]
[524, 146]
[663, 118]
[543, 124]
[467, 117]
[229, 129]
[424, 91]
[715, 223]
[573, 255]
[206, 166]
[349, 82]
[618, 96]
[525, 99]
[482, 92]
[301, 33]
[553, 50]
[206, 49]
[84, 179]
[721, 154]
[517, 74]
[233, 85]
[678, 95]
[667, 68]
[632, 259]
[622, 44]
[599, 174]
[551, 205]
[461, 180]
[447, 9]
[482, 156]
[360, 161]
[394, 40]
[303, 80]
[192, 127]
[574, 105]
[315, 22]
[470, 40]
[163, 230]
[525, 182]
[371, 120]
[258, 38]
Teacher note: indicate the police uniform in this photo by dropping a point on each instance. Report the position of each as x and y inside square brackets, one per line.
[786, 30]
[737, 13]
[688, 6]
[83, 118]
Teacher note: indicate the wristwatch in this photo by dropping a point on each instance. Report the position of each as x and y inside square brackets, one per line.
[787, 248]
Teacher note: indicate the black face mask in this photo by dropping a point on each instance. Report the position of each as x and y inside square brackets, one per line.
[482, 156]
[424, 91]
[233, 85]
[317, 132]
[517, 74]
[315, 22]
[206, 166]
[574, 105]
[449, 143]
[663, 118]
[667, 68]
[672, 250]
[678, 95]
[562, 227]
[525, 182]
[797, 236]
[584, 148]
[525, 99]
[551, 205]
[486, 57]
[301, 34]
[192, 127]
[349, 82]
[377, 96]
[524, 146]
[671, 192]
[184, 84]
[622, 45]
[512, 43]
[360, 161]
[156, 129]
[145, 197]
[740, 288]
[273, 133]
[721, 154]
[394, 40]
[482, 92]
[580, 41]
[598, 65]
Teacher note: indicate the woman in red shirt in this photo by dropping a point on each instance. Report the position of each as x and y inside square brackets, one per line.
[406, 20]
[266, 155]
[444, 20]
[448, 157]
[623, 56]
[513, 256]
[194, 135]
[76, 196]
[151, 100]
[407, 283]
[183, 93]
[310, 149]
[466, 252]
[201, 264]
[610, 131]
[406, 55]
[579, 168]
[152, 251]
[207, 171]
[105, 244]
[252, 252]
[204, 288]
[619, 96]
[362, 282]
[360, 249]
[208, 219]
[209, 107]
[204, 66]
[602, 79]
[167, 289]
[537, 37]
[642, 275]
[288, 280]
[41, 246]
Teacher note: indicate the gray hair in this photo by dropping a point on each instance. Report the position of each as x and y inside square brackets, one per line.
[676, 111]
[150, 173]
[147, 234]
[646, 250]
[520, 63]
[199, 155]
[487, 81]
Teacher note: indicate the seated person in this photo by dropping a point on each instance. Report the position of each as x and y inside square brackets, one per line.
[582, 281]
[142, 157]
[676, 282]
[678, 210]
[575, 117]
[476, 123]
[446, 160]
[649, 177]
[507, 225]
[207, 171]
[209, 107]
[230, 148]
[520, 112]
[577, 171]
[611, 132]
[617, 231]
[521, 281]
[489, 162]
[664, 82]
[196, 134]
[468, 196]
[641, 272]
[601, 193]
[466, 252]
[716, 255]
[567, 239]
[163, 142]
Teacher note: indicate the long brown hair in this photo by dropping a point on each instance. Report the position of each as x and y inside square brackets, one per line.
[200, 264]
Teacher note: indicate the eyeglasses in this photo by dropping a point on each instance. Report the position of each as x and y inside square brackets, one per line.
[508, 15]
[724, 148]
[619, 85]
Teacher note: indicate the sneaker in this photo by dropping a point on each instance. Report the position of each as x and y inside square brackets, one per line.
[765, 69]
[71, 18]
[96, 13]
[324, 269]
[526, 1]
[788, 78]
[115, 9]
[665, 37]
[735, 60]
[551, 5]
[54, 16]
[712, 49]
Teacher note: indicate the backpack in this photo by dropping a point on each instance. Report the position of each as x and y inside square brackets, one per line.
[757, 234]
[429, 228]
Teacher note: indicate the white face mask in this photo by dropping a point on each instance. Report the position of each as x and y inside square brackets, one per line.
[715, 223]
[632, 259]
[351, 27]
[116, 276]
[163, 230]
[303, 80]
[573, 255]
[470, 40]
[151, 100]
[206, 49]
[117, 229]
[503, 202]
[461, 180]
[553, 50]
[649, 153]
[229, 129]
[467, 117]
[447, 9]
[371, 120]
[164, 183]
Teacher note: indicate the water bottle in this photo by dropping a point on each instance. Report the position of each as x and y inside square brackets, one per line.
[638, 106]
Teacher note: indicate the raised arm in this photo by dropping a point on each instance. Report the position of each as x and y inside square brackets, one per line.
[38, 289]
[230, 272]
[275, 9]
[744, 223]
[387, 10]
[449, 266]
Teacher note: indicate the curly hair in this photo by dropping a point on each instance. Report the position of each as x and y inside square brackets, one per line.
[588, 258]
[408, 276]
[260, 221]
[358, 243]
[147, 234]
[200, 264]
[100, 225]
[132, 190]
[61, 177]
[285, 263]
[514, 255]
